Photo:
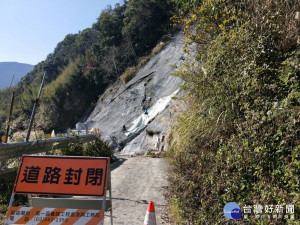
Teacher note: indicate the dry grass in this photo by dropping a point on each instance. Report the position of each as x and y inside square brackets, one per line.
[128, 74]
[131, 71]
[20, 136]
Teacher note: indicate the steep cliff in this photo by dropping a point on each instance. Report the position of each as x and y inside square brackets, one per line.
[120, 112]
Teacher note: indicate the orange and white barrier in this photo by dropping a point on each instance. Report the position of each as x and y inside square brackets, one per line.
[53, 216]
[150, 215]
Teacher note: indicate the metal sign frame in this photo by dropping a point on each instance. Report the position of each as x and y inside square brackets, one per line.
[56, 202]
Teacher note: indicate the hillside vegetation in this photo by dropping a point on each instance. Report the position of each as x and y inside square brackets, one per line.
[83, 65]
[239, 139]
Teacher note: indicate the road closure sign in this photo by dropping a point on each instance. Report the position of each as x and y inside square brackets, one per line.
[63, 175]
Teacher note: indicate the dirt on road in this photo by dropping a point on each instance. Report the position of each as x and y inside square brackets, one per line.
[135, 182]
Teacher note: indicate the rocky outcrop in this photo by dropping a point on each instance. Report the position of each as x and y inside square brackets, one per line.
[120, 112]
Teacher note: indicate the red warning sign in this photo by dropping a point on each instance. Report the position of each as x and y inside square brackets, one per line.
[63, 175]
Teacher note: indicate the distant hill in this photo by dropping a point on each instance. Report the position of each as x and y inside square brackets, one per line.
[10, 69]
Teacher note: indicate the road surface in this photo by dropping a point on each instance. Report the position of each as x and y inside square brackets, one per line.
[135, 182]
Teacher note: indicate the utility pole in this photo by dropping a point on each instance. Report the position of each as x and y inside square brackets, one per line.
[10, 114]
[33, 109]
[12, 80]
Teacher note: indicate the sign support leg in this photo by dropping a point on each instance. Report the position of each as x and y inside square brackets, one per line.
[11, 199]
[110, 197]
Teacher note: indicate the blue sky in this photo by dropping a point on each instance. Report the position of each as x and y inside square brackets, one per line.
[30, 29]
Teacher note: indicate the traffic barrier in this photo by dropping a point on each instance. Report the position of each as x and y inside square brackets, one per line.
[80, 176]
[53, 216]
[150, 215]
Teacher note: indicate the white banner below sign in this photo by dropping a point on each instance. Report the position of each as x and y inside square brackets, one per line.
[53, 216]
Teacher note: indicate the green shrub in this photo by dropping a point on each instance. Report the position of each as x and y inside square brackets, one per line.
[239, 138]
[6, 186]
[97, 148]
[149, 153]
[73, 149]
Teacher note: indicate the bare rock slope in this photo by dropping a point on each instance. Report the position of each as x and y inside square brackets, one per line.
[119, 113]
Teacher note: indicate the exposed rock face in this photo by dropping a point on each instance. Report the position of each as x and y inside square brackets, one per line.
[120, 114]
[81, 126]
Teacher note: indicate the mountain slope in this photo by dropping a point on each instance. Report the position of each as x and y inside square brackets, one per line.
[153, 88]
[238, 140]
[10, 69]
[83, 65]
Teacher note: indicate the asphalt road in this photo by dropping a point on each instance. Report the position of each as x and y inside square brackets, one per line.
[135, 182]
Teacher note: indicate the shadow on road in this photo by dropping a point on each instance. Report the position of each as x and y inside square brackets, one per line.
[145, 202]
[118, 163]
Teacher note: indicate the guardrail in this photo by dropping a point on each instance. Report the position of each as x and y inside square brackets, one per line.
[16, 150]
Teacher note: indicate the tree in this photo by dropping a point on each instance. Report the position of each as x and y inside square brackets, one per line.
[144, 22]
[110, 24]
